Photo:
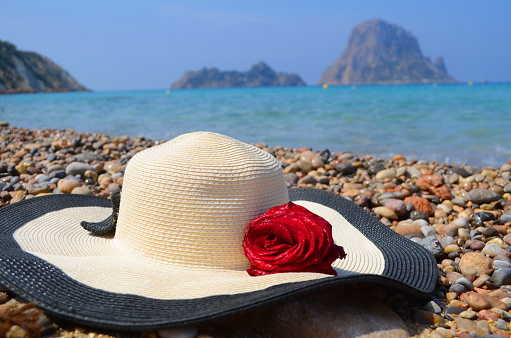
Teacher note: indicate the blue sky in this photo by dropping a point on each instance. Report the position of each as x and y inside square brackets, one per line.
[124, 45]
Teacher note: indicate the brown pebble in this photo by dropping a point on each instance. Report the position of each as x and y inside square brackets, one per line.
[66, 186]
[420, 203]
[408, 229]
[3, 297]
[482, 263]
[489, 315]
[478, 301]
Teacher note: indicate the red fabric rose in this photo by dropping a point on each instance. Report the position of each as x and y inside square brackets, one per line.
[290, 238]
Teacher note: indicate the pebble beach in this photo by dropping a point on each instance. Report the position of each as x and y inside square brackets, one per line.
[461, 214]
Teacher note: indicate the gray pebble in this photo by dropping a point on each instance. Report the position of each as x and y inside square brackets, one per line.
[447, 240]
[458, 288]
[480, 196]
[413, 172]
[458, 202]
[461, 221]
[345, 169]
[51, 157]
[501, 277]
[78, 168]
[428, 230]
[291, 178]
[501, 264]
[491, 250]
[432, 245]
[409, 207]
[375, 167]
[453, 310]
[417, 214]
[55, 180]
[8, 187]
[55, 167]
[58, 174]
[490, 232]
[502, 325]
[391, 195]
[507, 187]
[14, 180]
[71, 177]
[432, 307]
[458, 170]
[421, 222]
[42, 178]
[505, 218]
[85, 156]
[466, 283]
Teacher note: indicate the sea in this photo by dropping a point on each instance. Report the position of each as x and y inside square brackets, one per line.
[447, 123]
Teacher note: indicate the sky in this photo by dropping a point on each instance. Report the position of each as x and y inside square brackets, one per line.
[145, 45]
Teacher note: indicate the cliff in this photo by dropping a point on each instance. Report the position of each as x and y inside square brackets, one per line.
[28, 72]
[260, 75]
[382, 53]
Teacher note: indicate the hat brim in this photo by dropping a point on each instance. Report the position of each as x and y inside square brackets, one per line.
[401, 264]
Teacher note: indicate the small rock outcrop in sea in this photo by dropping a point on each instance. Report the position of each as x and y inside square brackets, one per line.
[260, 75]
[29, 72]
[382, 53]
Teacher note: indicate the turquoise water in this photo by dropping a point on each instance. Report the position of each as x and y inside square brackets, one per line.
[447, 123]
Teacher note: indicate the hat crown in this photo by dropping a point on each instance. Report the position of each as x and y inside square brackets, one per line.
[189, 200]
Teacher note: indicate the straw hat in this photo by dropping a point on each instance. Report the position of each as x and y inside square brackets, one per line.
[176, 256]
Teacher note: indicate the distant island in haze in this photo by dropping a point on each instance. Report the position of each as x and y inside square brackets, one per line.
[382, 53]
[29, 72]
[259, 75]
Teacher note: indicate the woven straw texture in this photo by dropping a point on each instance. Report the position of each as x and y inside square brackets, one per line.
[188, 201]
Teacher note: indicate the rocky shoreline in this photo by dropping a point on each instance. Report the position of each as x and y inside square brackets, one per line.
[462, 214]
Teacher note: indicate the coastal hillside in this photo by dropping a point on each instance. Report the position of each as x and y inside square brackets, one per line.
[382, 53]
[29, 72]
[260, 75]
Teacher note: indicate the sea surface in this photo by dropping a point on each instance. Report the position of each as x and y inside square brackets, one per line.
[453, 124]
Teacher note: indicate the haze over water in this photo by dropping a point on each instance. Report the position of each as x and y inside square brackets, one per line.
[447, 123]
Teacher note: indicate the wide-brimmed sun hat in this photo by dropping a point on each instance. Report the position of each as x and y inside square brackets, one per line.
[176, 255]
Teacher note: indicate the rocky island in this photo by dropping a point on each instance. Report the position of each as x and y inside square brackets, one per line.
[382, 53]
[29, 72]
[259, 75]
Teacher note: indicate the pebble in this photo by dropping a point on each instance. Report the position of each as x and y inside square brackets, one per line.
[385, 174]
[466, 283]
[477, 260]
[345, 169]
[427, 230]
[66, 186]
[501, 277]
[480, 196]
[417, 214]
[413, 172]
[501, 264]
[78, 168]
[82, 191]
[481, 301]
[408, 229]
[397, 206]
[432, 244]
[433, 307]
[386, 212]
[469, 314]
[491, 250]
[307, 179]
